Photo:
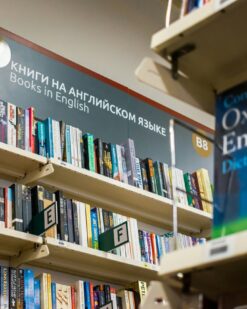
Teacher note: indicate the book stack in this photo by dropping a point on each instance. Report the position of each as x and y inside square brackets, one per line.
[190, 5]
[21, 289]
[55, 139]
[154, 246]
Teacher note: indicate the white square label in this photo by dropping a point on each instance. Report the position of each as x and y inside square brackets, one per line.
[120, 235]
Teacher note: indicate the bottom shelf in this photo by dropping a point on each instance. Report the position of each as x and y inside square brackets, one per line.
[217, 267]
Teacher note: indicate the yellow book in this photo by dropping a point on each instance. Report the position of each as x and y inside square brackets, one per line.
[43, 291]
[49, 291]
[49, 198]
[201, 190]
[207, 188]
[139, 287]
[89, 226]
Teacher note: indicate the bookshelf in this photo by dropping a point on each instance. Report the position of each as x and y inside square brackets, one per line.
[214, 268]
[125, 199]
[217, 61]
[74, 259]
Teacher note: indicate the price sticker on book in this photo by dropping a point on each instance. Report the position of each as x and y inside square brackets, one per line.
[219, 248]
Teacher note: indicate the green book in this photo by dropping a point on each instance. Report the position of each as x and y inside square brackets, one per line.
[188, 187]
[88, 140]
[158, 178]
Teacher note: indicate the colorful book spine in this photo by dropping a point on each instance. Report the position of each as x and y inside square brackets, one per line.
[68, 154]
[89, 151]
[53, 295]
[3, 121]
[11, 124]
[107, 161]
[28, 289]
[115, 171]
[37, 303]
[188, 187]
[2, 207]
[31, 129]
[26, 130]
[49, 137]
[87, 295]
[20, 128]
[20, 289]
[13, 288]
[151, 175]
[40, 140]
[89, 226]
[95, 229]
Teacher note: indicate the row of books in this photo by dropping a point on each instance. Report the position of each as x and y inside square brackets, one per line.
[21, 289]
[78, 222]
[190, 5]
[154, 246]
[55, 139]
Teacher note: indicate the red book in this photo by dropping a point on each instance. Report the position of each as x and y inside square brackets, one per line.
[31, 129]
[91, 296]
[154, 248]
[6, 213]
[73, 297]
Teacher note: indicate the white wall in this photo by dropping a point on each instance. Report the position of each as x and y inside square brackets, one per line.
[107, 36]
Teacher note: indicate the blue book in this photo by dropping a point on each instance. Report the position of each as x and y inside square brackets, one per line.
[49, 137]
[4, 300]
[145, 237]
[53, 295]
[95, 228]
[115, 171]
[37, 294]
[28, 289]
[87, 295]
[159, 247]
[68, 144]
[41, 142]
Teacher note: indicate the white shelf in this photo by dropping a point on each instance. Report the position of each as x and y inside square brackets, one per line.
[217, 267]
[12, 242]
[122, 198]
[16, 162]
[218, 33]
[74, 259]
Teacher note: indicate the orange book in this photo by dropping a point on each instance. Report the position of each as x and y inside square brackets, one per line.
[154, 248]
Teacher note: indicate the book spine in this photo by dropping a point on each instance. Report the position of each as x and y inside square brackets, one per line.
[37, 294]
[87, 295]
[78, 146]
[124, 165]
[20, 128]
[107, 161]
[28, 210]
[158, 178]
[163, 180]
[142, 245]
[49, 292]
[200, 190]
[65, 221]
[12, 288]
[144, 175]
[17, 207]
[73, 299]
[28, 289]
[4, 288]
[9, 206]
[31, 129]
[72, 146]
[91, 295]
[95, 229]
[49, 137]
[27, 131]
[41, 139]
[139, 174]
[188, 187]
[3, 121]
[89, 226]
[89, 152]
[53, 295]
[2, 207]
[75, 222]
[196, 198]
[62, 139]
[70, 220]
[115, 172]
[60, 210]
[131, 161]
[151, 175]
[11, 125]
[20, 289]
[120, 163]
[80, 304]
[68, 144]
[99, 155]
[82, 150]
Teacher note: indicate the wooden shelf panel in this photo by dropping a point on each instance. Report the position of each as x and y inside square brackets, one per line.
[216, 267]
[218, 33]
[122, 198]
[11, 241]
[15, 162]
[95, 264]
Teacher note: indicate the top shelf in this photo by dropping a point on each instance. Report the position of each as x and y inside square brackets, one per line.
[217, 30]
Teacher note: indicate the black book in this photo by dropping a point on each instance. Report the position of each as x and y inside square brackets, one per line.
[13, 288]
[26, 208]
[70, 221]
[2, 212]
[98, 146]
[82, 150]
[76, 222]
[62, 137]
[107, 162]
[107, 291]
[119, 303]
[144, 175]
[101, 294]
[158, 178]
[20, 128]
[20, 289]
[60, 210]
[37, 194]
[3, 121]
[17, 213]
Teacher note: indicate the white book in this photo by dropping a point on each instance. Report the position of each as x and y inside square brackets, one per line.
[167, 179]
[122, 248]
[139, 174]
[131, 300]
[80, 298]
[59, 151]
[72, 145]
[83, 224]
[181, 183]
[114, 298]
[69, 305]
[76, 147]
[120, 163]
[27, 123]
[124, 165]
[128, 245]
[56, 139]
[135, 239]
[78, 131]
[11, 124]
[102, 227]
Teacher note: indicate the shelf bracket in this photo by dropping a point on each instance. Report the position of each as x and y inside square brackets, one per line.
[182, 51]
[37, 174]
[29, 255]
